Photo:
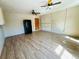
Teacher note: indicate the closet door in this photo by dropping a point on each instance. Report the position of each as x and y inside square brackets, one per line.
[46, 22]
[46, 27]
[72, 22]
[58, 21]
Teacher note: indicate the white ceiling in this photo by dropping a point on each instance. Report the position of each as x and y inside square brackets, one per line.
[26, 6]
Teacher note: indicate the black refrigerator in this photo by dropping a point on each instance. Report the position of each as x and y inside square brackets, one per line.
[27, 26]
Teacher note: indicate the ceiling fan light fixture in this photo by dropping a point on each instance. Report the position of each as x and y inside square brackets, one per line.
[49, 2]
[35, 13]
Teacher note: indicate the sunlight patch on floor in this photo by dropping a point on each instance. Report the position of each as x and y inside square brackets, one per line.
[64, 54]
[59, 49]
[72, 39]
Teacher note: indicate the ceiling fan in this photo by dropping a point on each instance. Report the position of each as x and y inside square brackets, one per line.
[50, 3]
[35, 13]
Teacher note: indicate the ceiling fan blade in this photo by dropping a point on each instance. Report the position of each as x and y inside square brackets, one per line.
[51, 4]
[37, 13]
[57, 3]
[44, 6]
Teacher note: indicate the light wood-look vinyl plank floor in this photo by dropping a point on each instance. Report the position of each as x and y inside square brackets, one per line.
[40, 45]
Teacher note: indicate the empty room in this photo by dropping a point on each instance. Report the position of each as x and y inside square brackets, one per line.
[39, 29]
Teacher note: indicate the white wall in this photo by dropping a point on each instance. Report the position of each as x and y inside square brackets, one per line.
[1, 17]
[14, 23]
[63, 22]
[1, 31]
[1, 39]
